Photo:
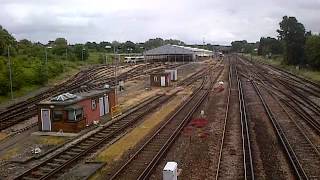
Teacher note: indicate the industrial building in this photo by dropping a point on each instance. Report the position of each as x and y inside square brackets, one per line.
[175, 53]
[73, 112]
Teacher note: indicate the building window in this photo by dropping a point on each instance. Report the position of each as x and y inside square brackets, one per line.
[75, 115]
[93, 104]
[57, 115]
[78, 114]
[155, 78]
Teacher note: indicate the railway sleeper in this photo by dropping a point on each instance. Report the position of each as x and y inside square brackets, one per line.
[30, 178]
[54, 165]
[82, 146]
[91, 140]
[38, 173]
[99, 135]
[59, 160]
[79, 149]
[45, 169]
[72, 153]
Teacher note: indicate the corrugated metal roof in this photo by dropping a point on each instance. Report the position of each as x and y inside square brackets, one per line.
[174, 49]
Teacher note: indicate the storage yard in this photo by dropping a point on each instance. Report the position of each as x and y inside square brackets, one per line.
[216, 117]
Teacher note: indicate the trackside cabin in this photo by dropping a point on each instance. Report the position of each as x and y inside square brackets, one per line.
[73, 112]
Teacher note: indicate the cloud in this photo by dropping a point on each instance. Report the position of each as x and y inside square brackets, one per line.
[189, 20]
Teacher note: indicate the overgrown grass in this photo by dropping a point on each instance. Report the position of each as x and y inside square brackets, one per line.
[276, 61]
[51, 140]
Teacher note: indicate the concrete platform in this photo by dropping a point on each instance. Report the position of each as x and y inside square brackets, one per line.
[59, 134]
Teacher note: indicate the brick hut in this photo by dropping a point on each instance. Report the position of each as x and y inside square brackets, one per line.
[162, 79]
[73, 112]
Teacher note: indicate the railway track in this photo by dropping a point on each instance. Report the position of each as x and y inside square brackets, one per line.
[299, 102]
[140, 165]
[235, 106]
[82, 82]
[315, 87]
[302, 153]
[58, 163]
[61, 161]
[143, 161]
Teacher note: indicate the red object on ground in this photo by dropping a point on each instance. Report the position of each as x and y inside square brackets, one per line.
[199, 122]
[188, 130]
[204, 135]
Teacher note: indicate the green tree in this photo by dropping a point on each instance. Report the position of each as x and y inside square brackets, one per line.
[269, 45]
[80, 52]
[4, 76]
[312, 50]
[153, 43]
[243, 46]
[59, 46]
[6, 39]
[292, 34]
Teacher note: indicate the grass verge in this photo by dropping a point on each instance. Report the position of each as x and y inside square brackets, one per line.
[309, 74]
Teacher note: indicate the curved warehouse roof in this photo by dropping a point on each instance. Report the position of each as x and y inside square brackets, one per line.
[175, 49]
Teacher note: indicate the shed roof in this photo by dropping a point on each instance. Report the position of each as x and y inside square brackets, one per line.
[174, 49]
[68, 99]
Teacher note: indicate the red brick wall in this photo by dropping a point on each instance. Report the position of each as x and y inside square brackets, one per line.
[90, 114]
[112, 100]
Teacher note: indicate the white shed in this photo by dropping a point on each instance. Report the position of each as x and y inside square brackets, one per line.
[170, 171]
[173, 74]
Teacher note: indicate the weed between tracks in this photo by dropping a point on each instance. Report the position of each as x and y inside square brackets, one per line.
[10, 154]
[51, 140]
[3, 135]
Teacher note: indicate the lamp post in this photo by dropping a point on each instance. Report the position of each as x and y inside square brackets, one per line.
[46, 60]
[107, 47]
[115, 72]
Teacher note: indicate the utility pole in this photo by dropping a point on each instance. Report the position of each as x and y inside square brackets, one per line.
[10, 72]
[115, 75]
[66, 53]
[203, 47]
[46, 63]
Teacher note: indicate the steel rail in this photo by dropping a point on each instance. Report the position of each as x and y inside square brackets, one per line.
[225, 124]
[248, 162]
[144, 174]
[299, 171]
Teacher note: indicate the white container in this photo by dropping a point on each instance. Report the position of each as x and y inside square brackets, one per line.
[173, 74]
[170, 171]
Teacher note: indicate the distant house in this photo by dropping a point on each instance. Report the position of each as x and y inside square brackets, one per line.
[73, 112]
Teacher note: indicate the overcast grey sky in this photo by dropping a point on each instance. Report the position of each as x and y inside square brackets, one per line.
[216, 21]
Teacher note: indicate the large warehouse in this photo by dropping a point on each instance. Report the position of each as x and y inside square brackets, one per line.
[176, 53]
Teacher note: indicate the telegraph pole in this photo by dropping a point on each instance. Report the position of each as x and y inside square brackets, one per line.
[10, 72]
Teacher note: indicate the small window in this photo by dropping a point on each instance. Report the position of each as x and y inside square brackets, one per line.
[57, 115]
[78, 114]
[93, 104]
[75, 115]
[155, 78]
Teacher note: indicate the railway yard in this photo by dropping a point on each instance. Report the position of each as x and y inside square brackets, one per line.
[224, 118]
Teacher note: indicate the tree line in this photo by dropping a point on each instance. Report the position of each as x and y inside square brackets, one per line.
[294, 43]
[33, 63]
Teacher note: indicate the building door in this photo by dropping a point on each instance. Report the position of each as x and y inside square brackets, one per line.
[45, 120]
[163, 81]
[101, 106]
[106, 104]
